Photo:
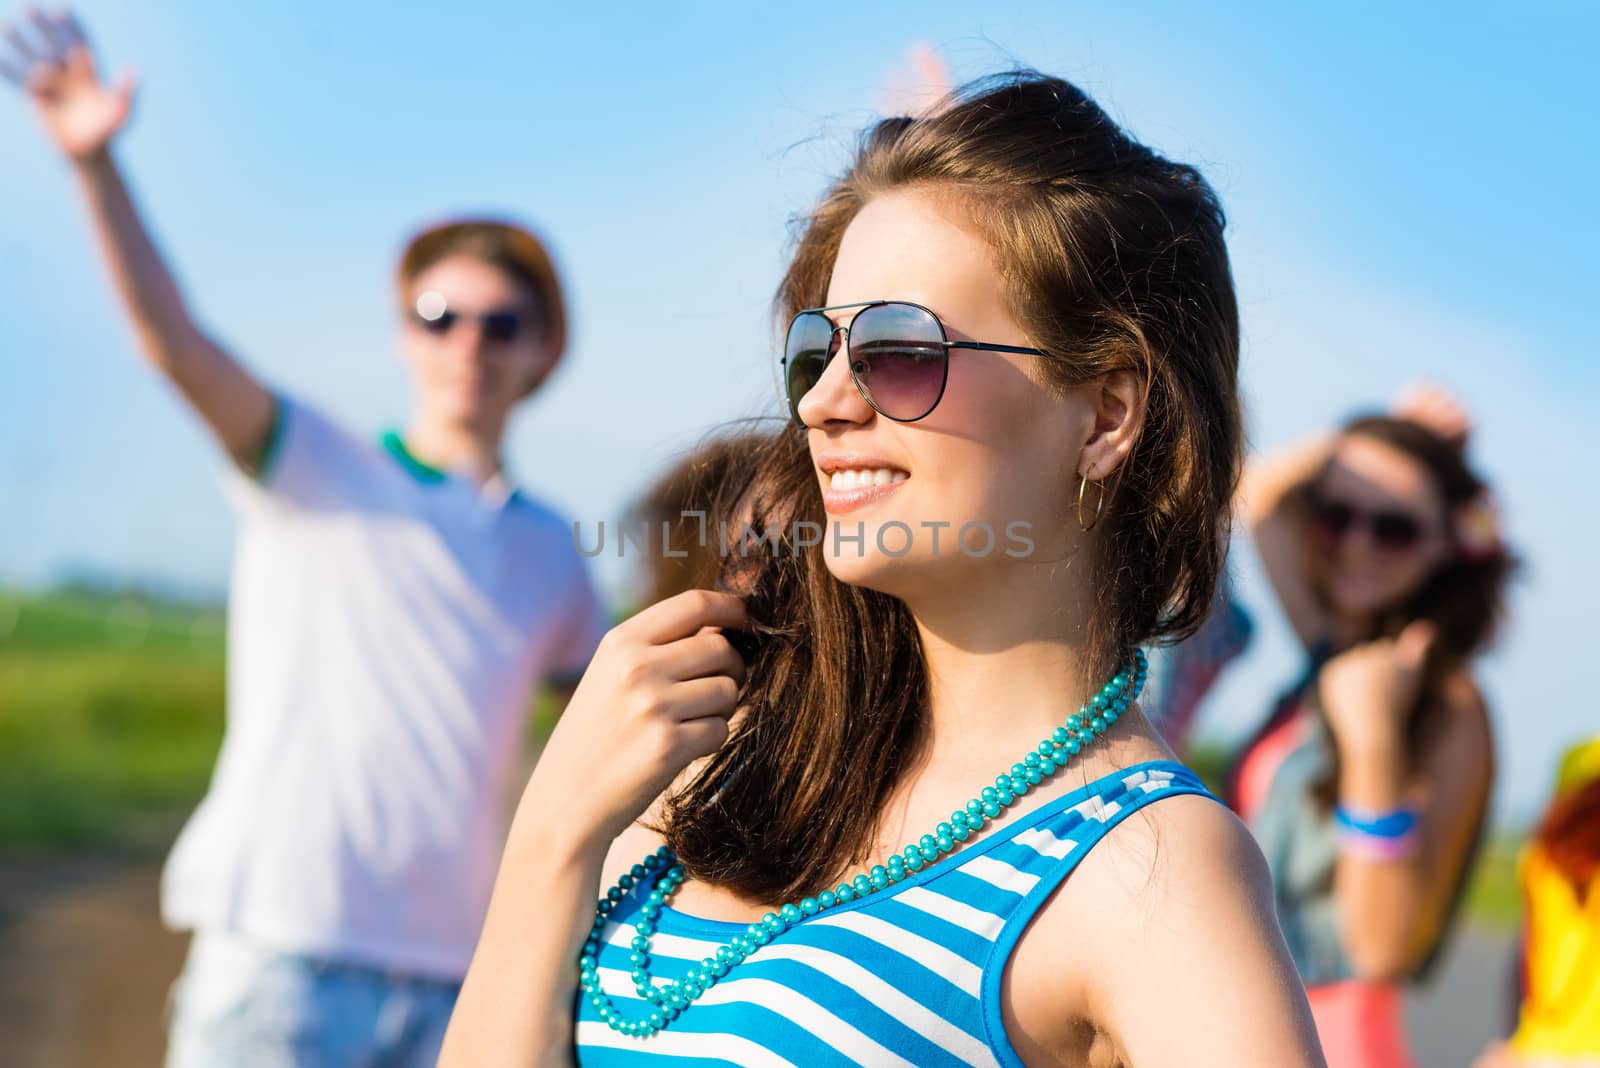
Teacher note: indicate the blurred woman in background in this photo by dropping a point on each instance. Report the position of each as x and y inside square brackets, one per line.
[1368, 785]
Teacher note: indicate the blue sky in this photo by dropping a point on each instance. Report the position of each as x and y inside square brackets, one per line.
[1409, 193]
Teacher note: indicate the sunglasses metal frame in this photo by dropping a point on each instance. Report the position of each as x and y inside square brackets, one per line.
[447, 318]
[844, 347]
[1368, 520]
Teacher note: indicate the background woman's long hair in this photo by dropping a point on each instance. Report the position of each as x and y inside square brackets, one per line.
[1112, 259]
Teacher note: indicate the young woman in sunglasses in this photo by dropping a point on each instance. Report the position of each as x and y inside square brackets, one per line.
[926, 823]
[1368, 785]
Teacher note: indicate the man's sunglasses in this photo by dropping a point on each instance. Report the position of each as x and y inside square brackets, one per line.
[499, 324]
[1335, 519]
[899, 355]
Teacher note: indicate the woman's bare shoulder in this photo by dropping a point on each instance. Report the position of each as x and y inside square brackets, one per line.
[1460, 742]
[1172, 897]
[1177, 852]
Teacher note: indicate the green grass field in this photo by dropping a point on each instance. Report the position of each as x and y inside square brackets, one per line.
[110, 719]
[111, 716]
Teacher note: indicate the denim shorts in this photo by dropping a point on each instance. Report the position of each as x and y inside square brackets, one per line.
[242, 1006]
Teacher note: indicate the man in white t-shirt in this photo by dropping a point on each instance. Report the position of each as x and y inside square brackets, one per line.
[394, 606]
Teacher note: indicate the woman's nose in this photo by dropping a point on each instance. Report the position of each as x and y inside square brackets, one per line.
[835, 396]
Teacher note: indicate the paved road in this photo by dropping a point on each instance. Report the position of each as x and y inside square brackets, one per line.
[1466, 1005]
[85, 964]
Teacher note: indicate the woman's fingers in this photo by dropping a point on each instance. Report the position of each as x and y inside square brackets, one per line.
[35, 60]
[68, 21]
[1412, 646]
[56, 41]
[53, 43]
[1437, 409]
[657, 696]
[703, 655]
[684, 615]
[714, 697]
[25, 51]
[701, 737]
[79, 59]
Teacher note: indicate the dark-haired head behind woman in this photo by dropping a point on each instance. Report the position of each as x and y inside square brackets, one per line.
[690, 518]
[1041, 356]
[1369, 784]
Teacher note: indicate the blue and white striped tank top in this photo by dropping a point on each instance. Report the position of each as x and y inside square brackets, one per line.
[906, 976]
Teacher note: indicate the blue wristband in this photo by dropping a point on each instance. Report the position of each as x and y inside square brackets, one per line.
[1394, 824]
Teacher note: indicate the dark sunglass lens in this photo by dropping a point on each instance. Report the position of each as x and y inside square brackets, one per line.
[1333, 517]
[805, 354]
[898, 356]
[439, 324]
[1394, 530]
[502, 326]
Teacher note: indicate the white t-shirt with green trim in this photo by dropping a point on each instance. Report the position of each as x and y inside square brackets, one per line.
[388, 627]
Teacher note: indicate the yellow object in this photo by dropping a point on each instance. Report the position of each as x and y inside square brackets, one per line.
[1561, 1008]
[1579, 765]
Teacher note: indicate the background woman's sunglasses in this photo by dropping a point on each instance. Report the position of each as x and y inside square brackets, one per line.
[899, 355]
[1388, 529]
[499, 324]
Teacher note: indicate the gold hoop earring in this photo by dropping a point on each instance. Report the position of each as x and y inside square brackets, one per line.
[1099, 505]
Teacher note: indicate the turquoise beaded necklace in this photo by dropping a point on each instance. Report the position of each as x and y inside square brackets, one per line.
[669, 999]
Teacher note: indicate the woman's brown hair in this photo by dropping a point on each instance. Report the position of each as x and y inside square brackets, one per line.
[1112, 259]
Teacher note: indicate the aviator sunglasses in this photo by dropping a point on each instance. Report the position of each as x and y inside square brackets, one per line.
[498, 324]
[898, 352]
[1388, 529]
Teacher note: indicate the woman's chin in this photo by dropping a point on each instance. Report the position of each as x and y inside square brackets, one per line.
[1358, 602]
[868, 568]
[865, 570]
[910, 578]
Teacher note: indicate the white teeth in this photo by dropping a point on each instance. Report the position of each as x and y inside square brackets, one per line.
[856, 478]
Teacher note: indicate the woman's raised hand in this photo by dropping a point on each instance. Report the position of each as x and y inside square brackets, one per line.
[48, 56]
[1435, 408]
[1368, 690]
[656, 697]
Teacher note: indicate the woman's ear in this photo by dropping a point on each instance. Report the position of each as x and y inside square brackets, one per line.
[1119, 407]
